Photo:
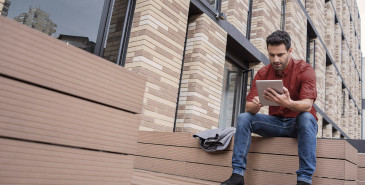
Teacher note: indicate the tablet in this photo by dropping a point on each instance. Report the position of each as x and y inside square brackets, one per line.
[262, 85]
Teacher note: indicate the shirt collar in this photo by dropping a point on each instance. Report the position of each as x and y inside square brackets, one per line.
[286, 70]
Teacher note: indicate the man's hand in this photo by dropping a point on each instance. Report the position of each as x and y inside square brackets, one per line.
[304, 105]
[254, 106]
[281, 99]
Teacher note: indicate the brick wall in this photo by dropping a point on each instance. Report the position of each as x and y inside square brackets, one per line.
[298, 32]
[316, 12]
[155, 51]
[202, 80]
[265, 20]
[236, 11]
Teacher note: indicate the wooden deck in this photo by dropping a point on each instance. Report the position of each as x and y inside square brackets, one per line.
[143, 177]
[66, 116]
[270, 160]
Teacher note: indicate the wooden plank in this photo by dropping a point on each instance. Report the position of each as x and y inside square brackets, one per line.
[222, 158]
[361, 174]
[142, 177]
[38, 58]
[361, 162]
[326, 148]
[262, 177]
[330, 168]
[221, 173]
[160, 165]
[32, 163]
[33, 113]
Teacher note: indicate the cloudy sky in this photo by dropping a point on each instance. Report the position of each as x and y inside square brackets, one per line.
[73, 17]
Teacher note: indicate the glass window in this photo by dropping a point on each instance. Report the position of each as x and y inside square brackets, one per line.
[212, 2]
[98, 26]
[236, 82]
[76, 22]
[311, 52]
[228, 96]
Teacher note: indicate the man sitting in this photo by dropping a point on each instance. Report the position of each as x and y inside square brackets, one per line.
[295, 117]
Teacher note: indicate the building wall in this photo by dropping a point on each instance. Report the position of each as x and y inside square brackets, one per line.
[236, 11]
[155, 50]
[202, 80]
[293, 15]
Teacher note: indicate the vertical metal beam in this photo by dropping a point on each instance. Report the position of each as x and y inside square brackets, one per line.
[249, 18]
[128, 19]
[104, 27]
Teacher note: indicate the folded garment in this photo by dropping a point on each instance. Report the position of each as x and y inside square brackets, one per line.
[215, 139]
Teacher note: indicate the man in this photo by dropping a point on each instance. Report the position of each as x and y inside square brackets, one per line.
[295, 117]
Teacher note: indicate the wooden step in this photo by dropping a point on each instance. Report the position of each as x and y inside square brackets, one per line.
[33, 163]
[35, 57]
[180, 154]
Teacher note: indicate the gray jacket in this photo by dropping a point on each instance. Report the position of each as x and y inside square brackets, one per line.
[215, 139]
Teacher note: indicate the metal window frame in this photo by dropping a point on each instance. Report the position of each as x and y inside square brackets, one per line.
[282, 17]
[249, 20]
[104, 27]
[104, 30]
[127, 25]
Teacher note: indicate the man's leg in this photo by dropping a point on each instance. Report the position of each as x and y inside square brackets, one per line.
[306, 126]
[264, 125]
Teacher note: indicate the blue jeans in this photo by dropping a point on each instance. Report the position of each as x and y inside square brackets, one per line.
[304, 127]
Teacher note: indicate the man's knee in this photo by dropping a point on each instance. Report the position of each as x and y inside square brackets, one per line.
[244, 119]
[306, 120]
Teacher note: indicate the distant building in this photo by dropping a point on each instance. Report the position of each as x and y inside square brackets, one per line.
[78, 41]
[4, 7]
[37, 19]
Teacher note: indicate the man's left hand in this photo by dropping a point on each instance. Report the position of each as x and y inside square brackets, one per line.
[281, 99]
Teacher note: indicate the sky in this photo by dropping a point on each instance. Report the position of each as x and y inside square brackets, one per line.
[73, 17]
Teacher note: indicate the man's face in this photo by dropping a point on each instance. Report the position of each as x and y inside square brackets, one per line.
[279, 56]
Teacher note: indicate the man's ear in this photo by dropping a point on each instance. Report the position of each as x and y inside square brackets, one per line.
[290, 50]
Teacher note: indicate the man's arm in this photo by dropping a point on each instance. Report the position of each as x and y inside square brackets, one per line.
[304, 105]
[254, 106]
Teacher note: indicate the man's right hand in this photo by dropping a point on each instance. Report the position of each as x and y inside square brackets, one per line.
[254, 106]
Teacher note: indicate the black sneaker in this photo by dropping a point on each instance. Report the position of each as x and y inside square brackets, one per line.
[235, 179]
[302, 183]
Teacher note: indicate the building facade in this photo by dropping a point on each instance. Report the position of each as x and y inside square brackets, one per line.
[4, 7]
[199, 67]
[37, 19]
[199, 57]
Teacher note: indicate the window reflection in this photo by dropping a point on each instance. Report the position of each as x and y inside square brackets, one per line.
[227, 110]
[4, 7]
[37, 19]
[212, 2]
[311, 52]
[111, 48]
[74, 22]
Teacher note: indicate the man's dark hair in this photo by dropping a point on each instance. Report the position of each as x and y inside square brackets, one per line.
[279, 37]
